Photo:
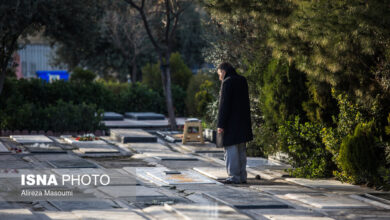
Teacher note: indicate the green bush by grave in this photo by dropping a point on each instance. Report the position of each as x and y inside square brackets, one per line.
[81, 75]
[359, 155]
[308, 156]
[31, 104]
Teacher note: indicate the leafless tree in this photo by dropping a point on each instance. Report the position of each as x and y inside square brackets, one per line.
[168, 12]
[126, 32]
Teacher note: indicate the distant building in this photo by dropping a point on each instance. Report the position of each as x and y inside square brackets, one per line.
[34, 56]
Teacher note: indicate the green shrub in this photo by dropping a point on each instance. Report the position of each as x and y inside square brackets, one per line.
[151, 76]
[180, 72]
[81, 75]
[359, 155]
[303, 144]
[179, 96]
[137, 97]
[195, 105]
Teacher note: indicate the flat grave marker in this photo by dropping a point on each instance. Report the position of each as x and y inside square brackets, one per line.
[80, 163]
[112, 116]
[84, 205]
[30, 139]
[282, 189]
[144, 116]
[245, 199]
[207, 211]
[3, 148]
[185, 177]
[44, 148]
[132, 135]
[108, 215]
[323, 201]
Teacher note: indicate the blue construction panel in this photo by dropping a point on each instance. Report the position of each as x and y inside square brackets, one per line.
[53, 74]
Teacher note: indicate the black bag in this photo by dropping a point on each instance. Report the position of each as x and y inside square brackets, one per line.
[219, 141]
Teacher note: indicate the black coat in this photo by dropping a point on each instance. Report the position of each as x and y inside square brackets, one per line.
[234, 110]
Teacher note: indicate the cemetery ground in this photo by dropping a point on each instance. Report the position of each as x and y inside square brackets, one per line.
[154, 176]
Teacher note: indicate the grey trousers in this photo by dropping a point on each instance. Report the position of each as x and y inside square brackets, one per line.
[235, 158]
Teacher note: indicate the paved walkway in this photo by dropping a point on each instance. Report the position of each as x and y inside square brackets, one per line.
[163, 180]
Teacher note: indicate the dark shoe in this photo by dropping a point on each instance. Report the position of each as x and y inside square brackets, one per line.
[228, 182]
[243, 182]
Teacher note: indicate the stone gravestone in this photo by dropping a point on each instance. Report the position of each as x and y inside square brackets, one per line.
[324, 201]
[108, 214]
[182, 177]
[207, 211]
[43, 148]
[11, 162]
[17, 214]
[84, 205]
[3, 148]
[112, 116]
[144, 116]
[77, 163]
[31, 139]
[132, 135]
[246, 199]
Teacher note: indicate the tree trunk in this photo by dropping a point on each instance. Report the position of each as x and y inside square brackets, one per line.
[166, 81]
[2, 78]
[134, 69]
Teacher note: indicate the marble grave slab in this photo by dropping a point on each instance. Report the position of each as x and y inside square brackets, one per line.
[323, 201]
[132, 135]
[30, 139]
[144, 116]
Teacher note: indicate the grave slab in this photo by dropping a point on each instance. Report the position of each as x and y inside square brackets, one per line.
[12, 162]
[286, 214]
[282, 189]
[96, 150]
[325, 184]
[207, 212]
[262, 162]
[84, 205]
[80, 163]
[160, 213]
[52, 215]
[220, 173]
[130, 191]
[95, 143]
[44, 148]
[323, 201]
[185, 177]
[144, 116]
[17, 214]
[141, 172]
[112, 116]
[136, 124]
[246, 199]
[31, 139]
[373, 200]
[148, 147]
[132, 135]
[108, 215]
[3, 148]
